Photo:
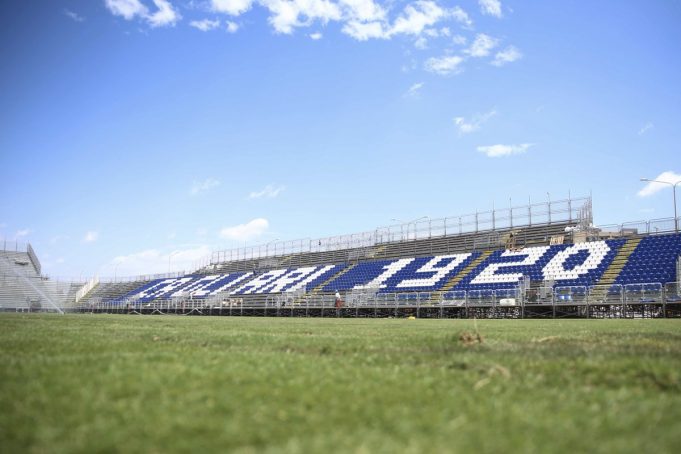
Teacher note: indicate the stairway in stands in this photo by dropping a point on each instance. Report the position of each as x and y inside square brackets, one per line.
[436, 296]
[377, 251]
[319, 288]
[610, 275]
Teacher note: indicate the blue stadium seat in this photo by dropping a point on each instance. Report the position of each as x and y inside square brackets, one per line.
[582, 264]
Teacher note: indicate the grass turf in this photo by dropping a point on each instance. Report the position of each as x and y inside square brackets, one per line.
[159, 384]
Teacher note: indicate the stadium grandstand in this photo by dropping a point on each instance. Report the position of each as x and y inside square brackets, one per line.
[24, 288]
[537, 260]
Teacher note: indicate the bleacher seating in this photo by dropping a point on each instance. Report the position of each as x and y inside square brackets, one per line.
[202, 286]
[581, 264]
[402, 275]
[652, 261]
[23, 288]
[567, 265]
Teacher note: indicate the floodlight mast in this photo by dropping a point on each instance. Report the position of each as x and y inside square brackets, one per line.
[116, 270]
[267, 249]
[673, 185]
[170, 257]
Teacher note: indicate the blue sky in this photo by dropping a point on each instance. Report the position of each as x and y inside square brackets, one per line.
[138, 131]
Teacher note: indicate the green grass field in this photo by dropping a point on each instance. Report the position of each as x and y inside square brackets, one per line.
[170, 383]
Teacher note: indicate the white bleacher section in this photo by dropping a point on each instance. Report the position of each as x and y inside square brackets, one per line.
[530, 256]
[555, 269]
[439, 272]
[22, 288]
[87, 288]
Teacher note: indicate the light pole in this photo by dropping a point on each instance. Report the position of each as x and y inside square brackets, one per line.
[116, 270]
[414, 224]
[401, 227]
[267, 251]
[170, 257]
[673, 185]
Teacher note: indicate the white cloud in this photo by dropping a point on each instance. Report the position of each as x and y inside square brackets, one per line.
[232, 27]
[206, 185]
[482, 45]
[22, 233]
[508, 55]
[416, 17]
[646, 127]
[286, 15]
[421, 43]
[205, 24]
[128, 9]
[269, 191]
[496, 151]
[316, 36]
[360, 19]
[467, 126]
[444, 65]
[154, 261]
[73, 15]
[231, 7]
[91, 236]
[363, 10]
[460, 40]
[414, 91]
[245, 232]
[461, 16]
[166, 14]
[435, 33]
[490, 7]
[363, 31]
[652, 187]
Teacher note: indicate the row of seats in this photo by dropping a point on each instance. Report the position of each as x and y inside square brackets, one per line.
[580, 264]
[566, 265]
[653, 261]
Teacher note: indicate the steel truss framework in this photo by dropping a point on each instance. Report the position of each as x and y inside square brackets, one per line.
[650, 300]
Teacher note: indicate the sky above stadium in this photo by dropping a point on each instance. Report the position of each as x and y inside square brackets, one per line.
[139, 135]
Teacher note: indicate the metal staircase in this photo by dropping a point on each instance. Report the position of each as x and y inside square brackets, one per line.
[610, 275]
[436, 296]
[319, 288]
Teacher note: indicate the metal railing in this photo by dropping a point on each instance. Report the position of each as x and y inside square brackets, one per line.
[13, 246]
[544, 213]
[651, 227]
[142, 277]
[33, 257]
[86, 288]
[651, 299]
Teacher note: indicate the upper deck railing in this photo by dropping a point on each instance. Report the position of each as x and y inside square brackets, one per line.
[23, 247]
[577, 210]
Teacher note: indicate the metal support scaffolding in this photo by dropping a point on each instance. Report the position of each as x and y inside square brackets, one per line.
[647, 300]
